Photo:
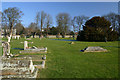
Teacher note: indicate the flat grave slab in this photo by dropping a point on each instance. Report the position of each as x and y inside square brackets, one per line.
[94, 49]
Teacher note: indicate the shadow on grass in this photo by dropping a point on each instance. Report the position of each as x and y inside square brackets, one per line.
[18, 48]
[111, 46]
[62, 39]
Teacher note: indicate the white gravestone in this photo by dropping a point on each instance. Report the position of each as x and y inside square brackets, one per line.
[31, 66]
[25, 45]
[43, 64]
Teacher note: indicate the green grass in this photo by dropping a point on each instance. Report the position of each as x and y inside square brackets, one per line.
[65, 60]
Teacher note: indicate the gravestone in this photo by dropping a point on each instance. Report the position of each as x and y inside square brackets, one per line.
[94, 49]
[25, 45]
[72, 43]
[18, 68]
[43, 64]
[6, 50]
[31, 66]
[32, 49]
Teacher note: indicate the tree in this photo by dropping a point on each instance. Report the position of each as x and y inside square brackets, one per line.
[74, 25]
[80, 20]
[37, 19]
[114, 19]
[11, 16]
[33, 28]
[63, 21]
[42, 20]
[97, 29]
[53, 31]
[5, 27]
[48, 23]
[19, 28]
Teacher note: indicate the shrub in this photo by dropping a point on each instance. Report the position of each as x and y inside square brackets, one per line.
[97, 29]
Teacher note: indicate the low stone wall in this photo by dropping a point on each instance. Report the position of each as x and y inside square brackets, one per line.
[55, 36]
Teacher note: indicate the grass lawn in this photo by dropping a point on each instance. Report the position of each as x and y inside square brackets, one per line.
[65, 60]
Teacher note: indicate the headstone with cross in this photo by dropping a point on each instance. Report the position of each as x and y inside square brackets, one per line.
[26, 44]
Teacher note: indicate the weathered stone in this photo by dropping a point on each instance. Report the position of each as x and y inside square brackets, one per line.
[72, 43]
[25, 45]
[6, 49]
[18, 68]
[94, 49]
[43, 64]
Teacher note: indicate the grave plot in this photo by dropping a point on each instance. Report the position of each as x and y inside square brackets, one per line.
[18, 68]
[39, 61]
[21, 66]
[33, 49]
[94, 49]
[35, 57]
[6, 50]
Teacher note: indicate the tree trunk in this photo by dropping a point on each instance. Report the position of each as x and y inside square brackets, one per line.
[41, 28]
[79, 27]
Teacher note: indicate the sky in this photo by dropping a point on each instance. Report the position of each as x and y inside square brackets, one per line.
[89, 9]
[60, 0]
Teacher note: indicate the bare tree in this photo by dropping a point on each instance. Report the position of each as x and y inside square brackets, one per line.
[63, 21]
[33, 28]
[42, 20]
[37, 19]
[11, 16]
[73, 23]
[48, 22]
[80, 21]
[19, 28]
[114, 19]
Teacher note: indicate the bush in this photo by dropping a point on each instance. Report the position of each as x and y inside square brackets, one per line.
[97, 29]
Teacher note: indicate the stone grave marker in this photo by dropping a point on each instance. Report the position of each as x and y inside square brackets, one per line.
[6, 50]
[25, 45]
[33, 49]
[94, 49]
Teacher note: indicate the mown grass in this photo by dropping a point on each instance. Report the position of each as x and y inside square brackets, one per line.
[65, 60]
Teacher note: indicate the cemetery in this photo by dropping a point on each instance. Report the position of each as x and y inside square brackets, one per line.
[21, 66]
[70, 45]
[60, 58]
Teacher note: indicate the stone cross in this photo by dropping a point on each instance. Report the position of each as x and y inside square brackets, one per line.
[26, 44]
